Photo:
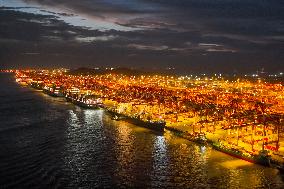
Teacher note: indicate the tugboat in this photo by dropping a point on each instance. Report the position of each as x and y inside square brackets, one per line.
[263, 158]
[200, 138]
[280, 168]
[116, 118]
[277, 165]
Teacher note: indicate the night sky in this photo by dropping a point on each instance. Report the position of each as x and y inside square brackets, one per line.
[194, 36]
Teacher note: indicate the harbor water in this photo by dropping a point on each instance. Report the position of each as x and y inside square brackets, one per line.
[46, 142]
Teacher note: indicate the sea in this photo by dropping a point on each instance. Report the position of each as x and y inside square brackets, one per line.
[46, 142]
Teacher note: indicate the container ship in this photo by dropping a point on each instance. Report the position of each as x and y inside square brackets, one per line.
[38, 85]
[88, 102]
[54, 91]
[262, 158]
[153, 125]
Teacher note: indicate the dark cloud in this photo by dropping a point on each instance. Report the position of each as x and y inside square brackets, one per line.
[192, 35]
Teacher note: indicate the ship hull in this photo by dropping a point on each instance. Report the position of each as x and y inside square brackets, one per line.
[257, 159]
[149, 125]
[82, 104]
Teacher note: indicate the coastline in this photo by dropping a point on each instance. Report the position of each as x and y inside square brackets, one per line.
[258, 157]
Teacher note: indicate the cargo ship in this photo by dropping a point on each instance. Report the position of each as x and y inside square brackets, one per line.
[262, 158]
[88, 102]
[53, 91]
[37, 85]
[153, 125]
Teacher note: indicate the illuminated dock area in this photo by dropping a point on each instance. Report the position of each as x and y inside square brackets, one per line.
[241, 117]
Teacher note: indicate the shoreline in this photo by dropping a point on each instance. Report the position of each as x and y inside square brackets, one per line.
[204, 141]
[261, 157]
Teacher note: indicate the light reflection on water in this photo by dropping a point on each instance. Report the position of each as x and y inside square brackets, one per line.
[160, 157]
[125, 153]
[65, 146]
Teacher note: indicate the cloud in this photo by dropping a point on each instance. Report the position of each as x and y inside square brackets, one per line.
[179, 30]
[221, 50]
[97, 38]
[30, 53]
[209, 45]
[258, 40]
[148, 47]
